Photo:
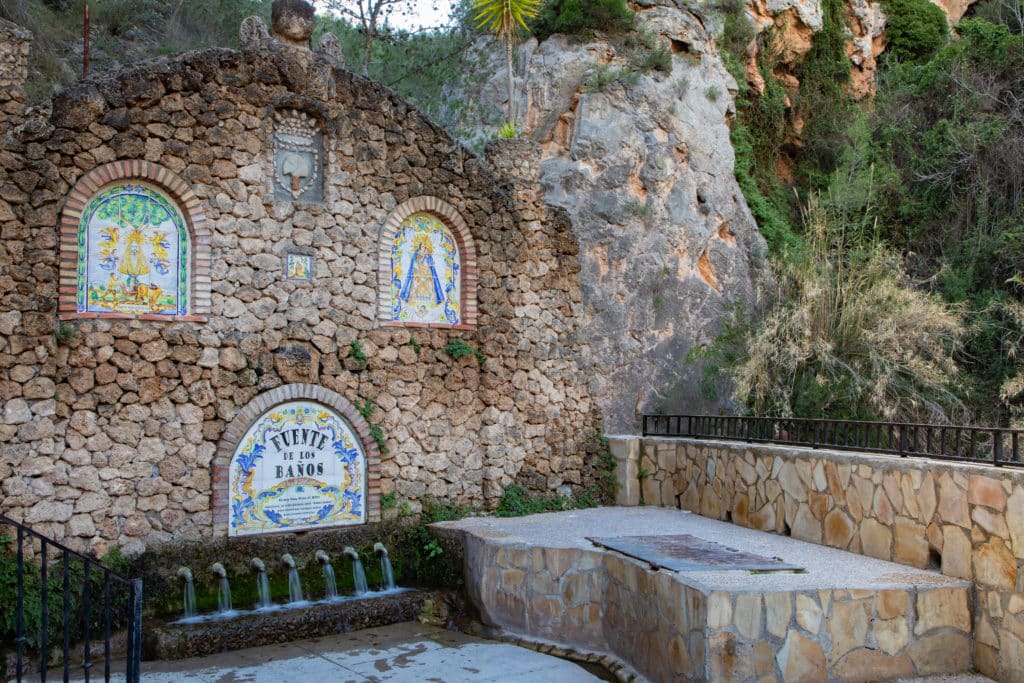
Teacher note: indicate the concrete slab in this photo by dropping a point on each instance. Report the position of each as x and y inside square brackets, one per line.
[402, 653]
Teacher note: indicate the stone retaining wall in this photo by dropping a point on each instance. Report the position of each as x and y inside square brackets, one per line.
[111, 422]
[966, 520]
[703, 626]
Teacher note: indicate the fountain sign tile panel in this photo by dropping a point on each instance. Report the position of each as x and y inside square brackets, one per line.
[686, 553]
[299, 466]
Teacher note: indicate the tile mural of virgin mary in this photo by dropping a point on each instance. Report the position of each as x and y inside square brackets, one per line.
[133, 254]
[425, 266]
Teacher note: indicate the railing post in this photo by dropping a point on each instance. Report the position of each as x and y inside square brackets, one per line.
[19, 628]
[135, 633]
[997, 447]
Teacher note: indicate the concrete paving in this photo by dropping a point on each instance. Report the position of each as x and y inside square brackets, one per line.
[402, 653]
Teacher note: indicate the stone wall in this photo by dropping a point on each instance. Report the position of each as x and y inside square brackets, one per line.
[110, 424]
[14, 50]
[966, 520]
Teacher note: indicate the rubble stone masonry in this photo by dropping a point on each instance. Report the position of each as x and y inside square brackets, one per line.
[110, 423]
[965, 520]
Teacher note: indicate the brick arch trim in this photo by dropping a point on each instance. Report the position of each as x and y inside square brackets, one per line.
[451, 219]
[179, 192]
[263, 403]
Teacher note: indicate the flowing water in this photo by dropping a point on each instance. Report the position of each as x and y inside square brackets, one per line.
[224, 595]
[263, 590]
[330, 585]
[359, 576]
[294, 586]
[387, 573]
[190, 598]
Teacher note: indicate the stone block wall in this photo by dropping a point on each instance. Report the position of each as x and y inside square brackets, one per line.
[15, 43]
[110, 425]
[966, 520]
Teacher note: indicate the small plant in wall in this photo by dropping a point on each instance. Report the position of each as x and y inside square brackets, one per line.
[507, 131]
[356, 352]
[366, 409]
[457, 349]
[66, 333]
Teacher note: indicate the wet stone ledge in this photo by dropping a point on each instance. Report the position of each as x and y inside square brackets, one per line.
[181, 641]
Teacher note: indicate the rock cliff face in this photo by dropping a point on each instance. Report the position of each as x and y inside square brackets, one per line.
[642, 162]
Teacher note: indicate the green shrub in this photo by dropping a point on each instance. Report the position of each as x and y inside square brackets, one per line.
[604, 76]
[850, 337]
[915, 29]
[507, 131]
[737, 28]
[582, 17]
[457, 349]
[356, 351]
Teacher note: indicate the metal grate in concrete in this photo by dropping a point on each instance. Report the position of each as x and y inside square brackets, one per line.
[686, 553]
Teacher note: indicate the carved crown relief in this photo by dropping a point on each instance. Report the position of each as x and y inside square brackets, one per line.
[298, 156]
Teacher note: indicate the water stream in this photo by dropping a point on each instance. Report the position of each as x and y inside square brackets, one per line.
[294, 584]
[386, 572]
[223, 589]
[358, 575]
[330, 584]
[189, 593]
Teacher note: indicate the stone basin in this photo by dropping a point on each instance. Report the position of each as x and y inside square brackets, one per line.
[176, 640]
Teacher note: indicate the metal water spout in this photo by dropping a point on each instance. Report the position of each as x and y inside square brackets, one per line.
[380, 549]
[330, 583]
[262, 584]
[189, 592]
[288, 561]
[358, 574]
[223, 590]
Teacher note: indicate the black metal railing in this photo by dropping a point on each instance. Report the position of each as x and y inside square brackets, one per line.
[991, 445]
[61, 595]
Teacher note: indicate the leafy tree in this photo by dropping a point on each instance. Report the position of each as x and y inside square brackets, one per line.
[371, 17]
[915, 29]
[505, 18]
[583, 17]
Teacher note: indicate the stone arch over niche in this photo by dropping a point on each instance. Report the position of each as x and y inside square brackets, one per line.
[231, 443]
[155, 264]
[434, 222]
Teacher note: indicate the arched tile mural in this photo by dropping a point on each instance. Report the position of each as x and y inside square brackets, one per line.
[134, 243]
[133, 253]
[426, 285]
[299, 466]
[427, 267]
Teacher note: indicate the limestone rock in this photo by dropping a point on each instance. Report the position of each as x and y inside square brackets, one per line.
[645, 171]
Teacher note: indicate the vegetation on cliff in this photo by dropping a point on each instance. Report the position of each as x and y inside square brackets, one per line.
[913, 226]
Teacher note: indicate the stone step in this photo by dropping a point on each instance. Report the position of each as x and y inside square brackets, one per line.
[845, 617]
